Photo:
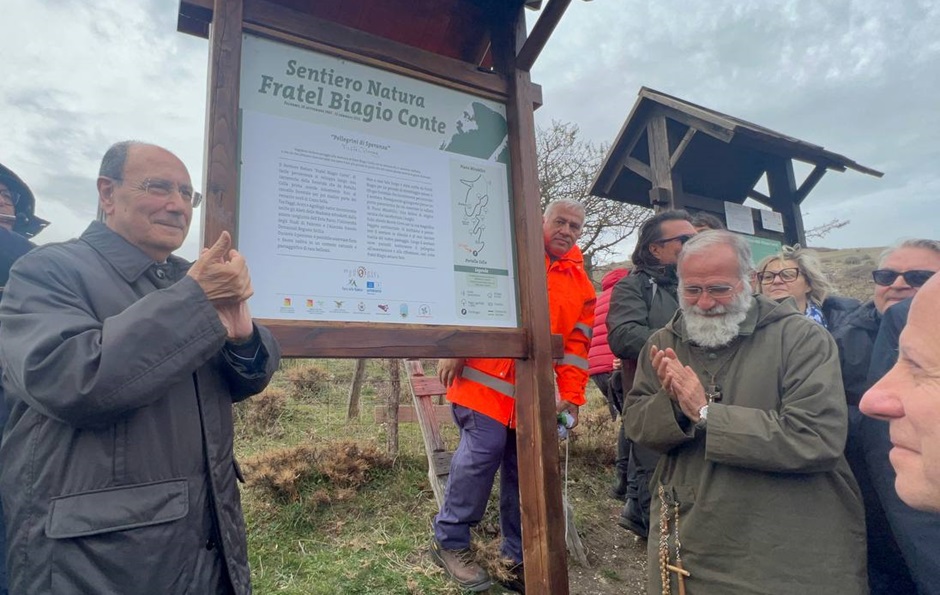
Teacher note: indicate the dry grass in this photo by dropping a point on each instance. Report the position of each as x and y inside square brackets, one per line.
[314, 475]
[263, 413]
[309, 380]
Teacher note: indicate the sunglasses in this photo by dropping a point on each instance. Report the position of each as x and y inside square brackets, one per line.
[885, 277]
[682, 239]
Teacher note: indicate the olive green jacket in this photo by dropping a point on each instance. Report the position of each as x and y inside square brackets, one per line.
[767, 503]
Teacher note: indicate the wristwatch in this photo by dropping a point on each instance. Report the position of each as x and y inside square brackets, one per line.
[702, 417]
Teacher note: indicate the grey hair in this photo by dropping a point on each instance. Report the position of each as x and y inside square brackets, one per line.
[923, 244]
[810, 267]
[115, 158]
[708, 240]
[565, 203]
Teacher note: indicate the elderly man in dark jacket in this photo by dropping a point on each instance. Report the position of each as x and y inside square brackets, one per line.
[121, 363]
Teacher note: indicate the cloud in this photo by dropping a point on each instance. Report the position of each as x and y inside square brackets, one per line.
[859, 77]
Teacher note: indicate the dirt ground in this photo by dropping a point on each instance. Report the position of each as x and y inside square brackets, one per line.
[617, 561]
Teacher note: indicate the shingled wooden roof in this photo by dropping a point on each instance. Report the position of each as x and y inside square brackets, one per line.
[713, 154]
[453, 28]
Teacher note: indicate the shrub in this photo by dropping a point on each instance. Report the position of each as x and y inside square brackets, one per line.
[309, 380]
[594, 440]
[262, 413]
[333, 472]
[282, 471]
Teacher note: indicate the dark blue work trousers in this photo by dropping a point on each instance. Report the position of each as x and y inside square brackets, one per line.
[486, 446]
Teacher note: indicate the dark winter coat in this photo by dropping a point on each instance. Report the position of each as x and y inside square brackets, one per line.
[767, 503]
[855, 336]
[118, 475]
[640, 304]
[600, 357]
[836, 308]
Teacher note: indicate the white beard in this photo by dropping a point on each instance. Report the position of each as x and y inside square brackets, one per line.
[716, 331]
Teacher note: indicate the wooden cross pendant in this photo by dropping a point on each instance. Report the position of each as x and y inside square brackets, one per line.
[713, 392]
[681, 574]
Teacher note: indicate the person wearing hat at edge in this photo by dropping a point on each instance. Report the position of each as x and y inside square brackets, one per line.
[18, 223]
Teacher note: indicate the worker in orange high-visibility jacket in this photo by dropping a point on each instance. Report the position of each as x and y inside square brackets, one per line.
[482, 396]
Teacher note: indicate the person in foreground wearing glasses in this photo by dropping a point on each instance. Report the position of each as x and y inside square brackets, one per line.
[640, 304]
[743, 397]
[797, 273]
[121, 362]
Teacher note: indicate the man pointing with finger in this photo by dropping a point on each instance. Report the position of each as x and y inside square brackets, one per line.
[121, 363]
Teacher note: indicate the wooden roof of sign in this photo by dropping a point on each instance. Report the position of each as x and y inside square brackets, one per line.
[457, 29]
[713, 154]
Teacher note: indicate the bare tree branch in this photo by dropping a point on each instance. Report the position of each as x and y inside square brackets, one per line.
[821, 231]
[567, 166]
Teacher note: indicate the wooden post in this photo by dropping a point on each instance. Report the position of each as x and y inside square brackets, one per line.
[781, 182]
[394, 398]
[663, 192]
[221, 176]
[438, 456]
[352, 404]
[546, 560]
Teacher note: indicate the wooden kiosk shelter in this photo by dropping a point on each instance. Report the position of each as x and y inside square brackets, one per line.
[477, 47]
[673, 154]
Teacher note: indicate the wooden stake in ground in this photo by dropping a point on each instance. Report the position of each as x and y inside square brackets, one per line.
[352, 404]
[394, 398]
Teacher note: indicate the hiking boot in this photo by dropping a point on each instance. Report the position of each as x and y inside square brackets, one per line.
[459, 566]
[516, 581]
[631, 520]
[618, 491]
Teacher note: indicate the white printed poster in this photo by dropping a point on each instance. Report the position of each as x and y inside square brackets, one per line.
[771, 220]
[370, 196]
[739, 218]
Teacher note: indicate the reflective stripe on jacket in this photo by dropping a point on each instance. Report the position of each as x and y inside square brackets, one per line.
[487, 385]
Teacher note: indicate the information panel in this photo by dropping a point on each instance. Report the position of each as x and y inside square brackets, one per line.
[370, 196]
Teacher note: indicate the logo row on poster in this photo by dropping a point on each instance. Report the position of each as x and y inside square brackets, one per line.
[295, 305]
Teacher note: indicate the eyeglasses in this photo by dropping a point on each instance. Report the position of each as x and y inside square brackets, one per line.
[786, 275]
[10, 197]
[886, 277]
[163, 188]
[682, 239]
[716, 291]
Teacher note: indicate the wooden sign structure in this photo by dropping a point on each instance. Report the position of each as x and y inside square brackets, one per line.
[673, 154]
[476, 47]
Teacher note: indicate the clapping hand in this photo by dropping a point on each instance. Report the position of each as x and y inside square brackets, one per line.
[681, 381]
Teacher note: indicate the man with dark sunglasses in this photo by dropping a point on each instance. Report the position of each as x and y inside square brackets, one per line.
[902, 270]
[642, 303]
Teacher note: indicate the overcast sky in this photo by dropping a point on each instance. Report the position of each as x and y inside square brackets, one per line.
[861, 78]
